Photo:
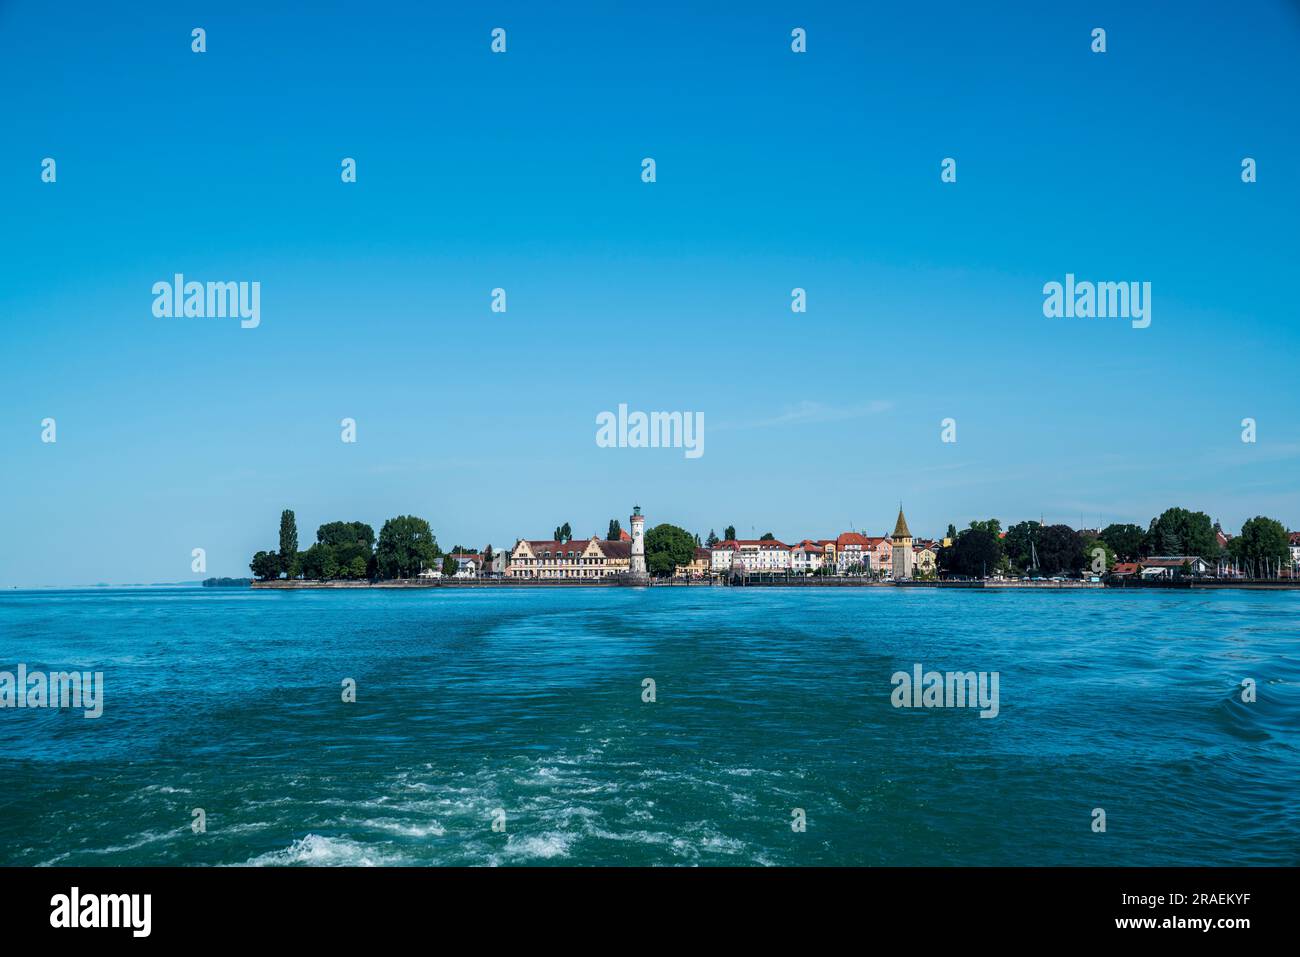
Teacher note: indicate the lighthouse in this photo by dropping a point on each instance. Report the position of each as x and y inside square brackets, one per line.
[636, 563]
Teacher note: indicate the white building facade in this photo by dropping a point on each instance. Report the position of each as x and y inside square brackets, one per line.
[748, 556]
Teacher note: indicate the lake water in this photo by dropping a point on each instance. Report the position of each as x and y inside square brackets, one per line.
[530, 701]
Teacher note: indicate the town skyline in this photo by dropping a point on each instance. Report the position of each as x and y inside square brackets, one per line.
[407, 548]
[1177, 543]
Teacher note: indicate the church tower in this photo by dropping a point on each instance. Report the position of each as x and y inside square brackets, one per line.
[902, 541]
[636, 563]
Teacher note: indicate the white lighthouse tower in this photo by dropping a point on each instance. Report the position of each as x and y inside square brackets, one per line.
[636, 562]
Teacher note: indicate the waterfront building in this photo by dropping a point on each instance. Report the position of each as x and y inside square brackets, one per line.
[468, 564]
[881, 554]
[618, 555]
[720, 556]
[904, 560]
[750, 555]
[698, 566]
[577, 558]
[807, 556]
[852, 553]
[1172, 566]
[548, 558]
[925, 556]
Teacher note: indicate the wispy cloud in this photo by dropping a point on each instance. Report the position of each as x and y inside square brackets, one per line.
[808, 413]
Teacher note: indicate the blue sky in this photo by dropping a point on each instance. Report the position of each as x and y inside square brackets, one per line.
[522, 170]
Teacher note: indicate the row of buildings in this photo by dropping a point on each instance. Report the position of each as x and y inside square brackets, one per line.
[897, 556]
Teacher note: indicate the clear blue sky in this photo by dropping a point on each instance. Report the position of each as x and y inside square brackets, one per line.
[775, 170]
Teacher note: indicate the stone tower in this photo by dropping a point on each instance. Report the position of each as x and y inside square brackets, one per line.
[902, 542]
[636, 563]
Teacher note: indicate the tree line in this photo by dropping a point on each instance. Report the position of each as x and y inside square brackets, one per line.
[350, 551]
[983, 549]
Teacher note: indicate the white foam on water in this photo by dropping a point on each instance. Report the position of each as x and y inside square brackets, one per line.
[722, 845]
[317, 851]
[432, 829]
[245, 828]
[659, 838]
[542, 846]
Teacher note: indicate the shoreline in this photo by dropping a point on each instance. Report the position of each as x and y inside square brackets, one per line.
[472, 583]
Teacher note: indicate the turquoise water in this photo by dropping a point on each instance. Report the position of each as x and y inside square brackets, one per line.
[530, 701]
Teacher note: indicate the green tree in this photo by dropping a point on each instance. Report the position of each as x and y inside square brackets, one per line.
[313, 561]
[992, 526]
[449, 566]
[1181, 532]
[265, 565]
[358, 568]
[952, 532]
[1018, 543]
[729, 533]
[345, 533]
[406, 545]
[666, 547]
[1098, 556]
[1263, 545]
[712, 539]
[1060, 550]
[1124, 540]
[976, 552]
[563, 533]
[289, 543]
[347, 542]
[615, 531]
[767, 537]
[330, 566]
